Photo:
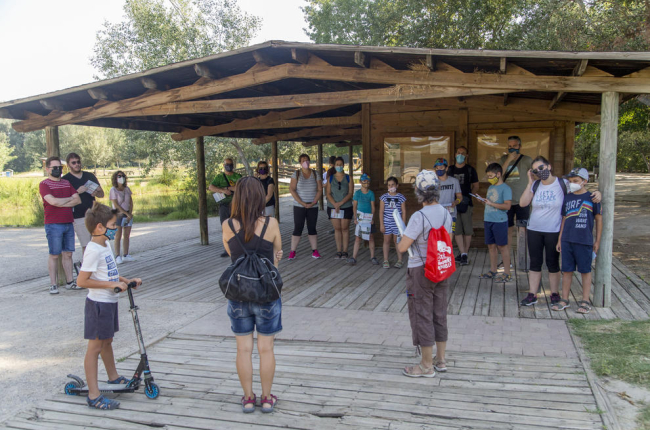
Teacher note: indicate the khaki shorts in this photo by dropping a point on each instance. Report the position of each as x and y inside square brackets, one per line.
[464, 225]
[427, 305]
[83, 235]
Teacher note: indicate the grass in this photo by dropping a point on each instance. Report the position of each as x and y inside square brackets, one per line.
[620, 350]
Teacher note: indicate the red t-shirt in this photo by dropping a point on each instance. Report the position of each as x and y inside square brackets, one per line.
[59, 189]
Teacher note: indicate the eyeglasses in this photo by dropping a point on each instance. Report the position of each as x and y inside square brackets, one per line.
[74, 163]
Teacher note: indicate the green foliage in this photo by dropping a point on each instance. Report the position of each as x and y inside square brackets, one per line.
[5, 151]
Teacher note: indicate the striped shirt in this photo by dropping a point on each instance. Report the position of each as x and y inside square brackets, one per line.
[59, 189]
[306, 188]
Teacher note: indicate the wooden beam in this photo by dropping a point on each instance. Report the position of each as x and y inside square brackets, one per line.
[348, 144]
[579, 70]
[377, 64]
[431, 62]
[607, 186]
[276, 170]
[505, 99]
[299, 55]
[6, 113]
[262, 58]
[202, 189]
[149, 83]
[231, 83]
[98, 94]
[204, 71]
[311, 132]
[366, 141]
[592, 71]
[569, 145]
[503, 65]
[643, 73]
[261, 121]
[351, 162]
[52, 147]
[513, 69]
[444, 67]
[54, 105]
[391, 94]
[331, 139]
[360, 59]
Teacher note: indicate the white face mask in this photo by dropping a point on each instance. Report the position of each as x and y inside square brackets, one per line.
[392, 189]
[120, 181]
[574, 187]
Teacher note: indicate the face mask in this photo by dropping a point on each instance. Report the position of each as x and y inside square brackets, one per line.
[441, 172]
[120, 180]
[305, 164]
[574, 187]
[339, 169]
[493, 181]
[110, 233]
[228, 167]
[262, 171]
[513, 150]
[460, 158]
[392, 189]
[56, 171]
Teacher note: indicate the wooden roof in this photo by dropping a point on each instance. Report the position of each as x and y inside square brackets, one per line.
[277, 89]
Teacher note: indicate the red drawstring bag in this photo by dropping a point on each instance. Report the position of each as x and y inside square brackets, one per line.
[440, 263]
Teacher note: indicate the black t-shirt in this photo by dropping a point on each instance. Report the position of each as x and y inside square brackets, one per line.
[266, 182]
[466, 175]
[87, 200]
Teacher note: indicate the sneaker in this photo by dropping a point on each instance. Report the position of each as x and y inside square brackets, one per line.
[224, 254]
[374, 261]
[555, 298]
[128, 257]
[54, 289]
[119, 260]
[314, 254]
[292, 255]
[530, 299]
[464, 260]
[72, 286]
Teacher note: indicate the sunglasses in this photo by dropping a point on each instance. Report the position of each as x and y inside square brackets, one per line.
[121, 176]
[539, 169]
[74, 163]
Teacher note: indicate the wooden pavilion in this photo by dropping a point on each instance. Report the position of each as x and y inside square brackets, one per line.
[404, 106]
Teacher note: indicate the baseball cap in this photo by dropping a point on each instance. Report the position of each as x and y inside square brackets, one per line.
[441, 162]
[364, 177]
[426, 179]
[580, 172]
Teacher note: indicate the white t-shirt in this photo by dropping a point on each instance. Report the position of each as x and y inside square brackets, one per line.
[100, 261]
[420, 223]
[546, 214]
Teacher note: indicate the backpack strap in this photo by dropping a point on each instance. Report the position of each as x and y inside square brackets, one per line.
[563, 185]
[232, 227]
[535, 186]
[266, 224]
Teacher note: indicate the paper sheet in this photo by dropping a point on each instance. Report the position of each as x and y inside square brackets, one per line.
[91, 186]
[218, 197]
[401, 227]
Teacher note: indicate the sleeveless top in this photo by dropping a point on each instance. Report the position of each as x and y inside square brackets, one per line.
[339, 191]
[306, 188]
[236, 251]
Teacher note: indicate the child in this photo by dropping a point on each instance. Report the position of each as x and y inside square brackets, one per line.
[576, 241]
[495, 220]
[363, 210]
[388, 203]
[99, 274]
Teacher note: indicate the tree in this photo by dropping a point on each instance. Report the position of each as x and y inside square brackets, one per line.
[5, 151]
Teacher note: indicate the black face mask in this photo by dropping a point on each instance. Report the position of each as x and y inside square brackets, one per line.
[228, 167]
[56, 171]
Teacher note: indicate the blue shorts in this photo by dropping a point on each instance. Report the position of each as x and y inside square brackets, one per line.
[100, 320]
[576, 254]
[123, 221]
[496, 233]
[60, 238]
[245, 317]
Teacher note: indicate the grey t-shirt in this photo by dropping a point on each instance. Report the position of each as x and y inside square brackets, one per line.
[518, 178]
[448, 190]
[432, 216]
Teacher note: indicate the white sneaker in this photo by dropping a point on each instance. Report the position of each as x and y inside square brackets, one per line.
[54, 289]
[118, 260]
[128, 257]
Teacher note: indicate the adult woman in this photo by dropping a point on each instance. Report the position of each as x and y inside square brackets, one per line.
[269, 187]
[339, 192]
[249, 224]
[427, 302]
[544, 226]
[120, 196]
[306, 188]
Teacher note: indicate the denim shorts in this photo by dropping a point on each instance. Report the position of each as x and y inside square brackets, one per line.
[100, 320]
[123, 221]
[246, 317]
[576, 255]
[60, 238]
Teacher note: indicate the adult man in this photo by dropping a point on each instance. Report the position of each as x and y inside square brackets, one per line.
[87, 192]
[515, 167]
[225, 183]
[450, 192]
[468, 179]
[59, 197]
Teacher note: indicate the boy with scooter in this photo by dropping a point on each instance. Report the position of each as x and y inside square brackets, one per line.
[99, 274]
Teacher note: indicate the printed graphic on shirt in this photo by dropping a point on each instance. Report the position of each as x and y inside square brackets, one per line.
[545, 199]
[579, 211]
[446, 187]
[113, 275]
[514, 175]
[461, 178]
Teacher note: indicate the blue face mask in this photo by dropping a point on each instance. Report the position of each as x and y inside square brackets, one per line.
[460, 158]
[513, 150]
[110, 233]
[339, 169]
[441, 172]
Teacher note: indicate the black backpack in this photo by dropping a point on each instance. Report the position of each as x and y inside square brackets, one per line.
[252, 278]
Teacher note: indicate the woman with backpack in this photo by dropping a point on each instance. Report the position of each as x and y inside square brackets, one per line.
[306, 189]
[546, 193]
[261, 234]
[339, 192]
[427, 301]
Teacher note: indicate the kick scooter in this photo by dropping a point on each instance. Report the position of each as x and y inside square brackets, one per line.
[77, 386]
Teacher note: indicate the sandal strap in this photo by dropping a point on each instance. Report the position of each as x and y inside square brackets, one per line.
[584, 304]
[271, 400]
[103, 403]
[248, 401]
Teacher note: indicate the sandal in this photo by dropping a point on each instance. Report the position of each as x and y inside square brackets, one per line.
[560, 305]
[502, 279]
[399, 265]
[244, 402]
[120, 380]
[103, 403]
[352, 261]
[338, 255]
[271, 400]
[424, 372]
[439, 365]
[374, 261]
[386, 264]
[344, 255]
[583, 307]
[489, 275]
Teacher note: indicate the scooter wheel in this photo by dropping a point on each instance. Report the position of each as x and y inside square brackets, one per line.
[70, 387]
[151, 390]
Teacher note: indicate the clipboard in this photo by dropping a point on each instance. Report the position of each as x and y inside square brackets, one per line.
[401, 227]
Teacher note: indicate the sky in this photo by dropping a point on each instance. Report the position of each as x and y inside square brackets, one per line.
[47, 44]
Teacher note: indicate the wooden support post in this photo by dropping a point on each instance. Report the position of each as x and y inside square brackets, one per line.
[202, 188]
[320, 174]
[351, 167]
[569, 145]
[276, 169]
[52, 141]
[606, 184]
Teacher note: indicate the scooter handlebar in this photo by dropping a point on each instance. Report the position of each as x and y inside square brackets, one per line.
[131, 285]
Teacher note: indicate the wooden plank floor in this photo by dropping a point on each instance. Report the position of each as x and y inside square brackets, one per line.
[337, 386]
[187, 271]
